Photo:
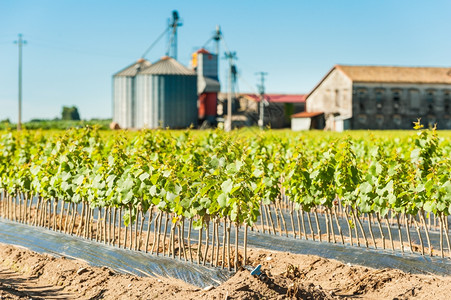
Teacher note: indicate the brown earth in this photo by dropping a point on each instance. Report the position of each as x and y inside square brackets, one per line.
[28, 275]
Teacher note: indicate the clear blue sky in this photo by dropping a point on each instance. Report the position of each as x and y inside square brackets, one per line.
[75, 46]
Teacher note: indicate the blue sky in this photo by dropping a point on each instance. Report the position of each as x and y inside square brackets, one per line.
[75, 46]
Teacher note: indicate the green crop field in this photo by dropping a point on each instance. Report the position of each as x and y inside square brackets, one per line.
[211, 178]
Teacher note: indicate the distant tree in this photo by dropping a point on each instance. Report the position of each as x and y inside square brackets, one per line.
[70, 113]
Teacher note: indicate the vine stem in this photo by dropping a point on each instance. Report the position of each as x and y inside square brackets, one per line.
[399, 233]
[279, 223]
[318, 226]
[299, 223]
[113, 242]
[380, 229]
[182, 238]
[190, 225]
[213, 242]
[355, 226]
[262, 220]
[445, 222]
[207, 239]
[268, 213]
[173, 239]
[158, 233]
[149, 221]
[419, 234]
[119, 227]
[236, 246]
[338, 224]
[303, 223]
[217, 223]
[441, 236]
[130, 225]
[371, 230]
[143, 219]
[389, 233]
[408, 232]
[293, 228]
[224, 241]
[199, 245]
[426, 229]
[165, 231]
[155, 227]
[228, 245]
[327, 227]
[310, 225]
[331, 223]
[245, 245]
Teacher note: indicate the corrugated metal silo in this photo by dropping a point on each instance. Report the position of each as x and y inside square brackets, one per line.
[166, 95]
[124, 93]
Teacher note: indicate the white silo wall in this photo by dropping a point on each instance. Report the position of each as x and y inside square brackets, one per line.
[123, 101]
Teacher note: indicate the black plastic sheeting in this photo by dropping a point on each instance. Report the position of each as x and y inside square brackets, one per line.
[125, 261]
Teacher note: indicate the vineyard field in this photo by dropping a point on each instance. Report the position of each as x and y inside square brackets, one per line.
[195, 195]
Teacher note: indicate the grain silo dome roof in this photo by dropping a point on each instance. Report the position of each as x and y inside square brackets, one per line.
[134, 68]
[168, 66]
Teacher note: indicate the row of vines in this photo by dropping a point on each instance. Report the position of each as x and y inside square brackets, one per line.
[150, 190]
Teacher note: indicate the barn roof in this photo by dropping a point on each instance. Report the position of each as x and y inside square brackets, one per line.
[394, 74]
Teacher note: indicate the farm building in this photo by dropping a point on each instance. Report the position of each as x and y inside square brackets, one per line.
[307, 120]
[382, 97]
[277, 111]
[163, 94]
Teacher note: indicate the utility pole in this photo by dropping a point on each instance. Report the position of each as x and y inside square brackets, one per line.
[261, 89]
[20, 43]
[232, 72]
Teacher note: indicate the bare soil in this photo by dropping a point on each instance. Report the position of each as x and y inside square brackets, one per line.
[28, 275]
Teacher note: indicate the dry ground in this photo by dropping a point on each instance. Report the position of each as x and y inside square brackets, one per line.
[28, 275]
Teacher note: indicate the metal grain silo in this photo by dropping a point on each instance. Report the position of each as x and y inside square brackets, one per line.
[124, 93]
[166, 95]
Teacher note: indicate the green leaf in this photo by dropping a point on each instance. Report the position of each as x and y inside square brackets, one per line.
[227, 186]
[222, 200]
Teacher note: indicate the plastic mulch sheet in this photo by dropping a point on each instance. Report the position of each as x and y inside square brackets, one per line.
[58, 244]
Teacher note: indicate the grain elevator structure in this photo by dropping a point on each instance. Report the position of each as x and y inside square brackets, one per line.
[166, 94]
[206, 66]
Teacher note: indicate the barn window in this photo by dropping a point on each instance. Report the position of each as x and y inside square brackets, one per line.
[380, 120]
[362, 118]
[362, 98]
[397, 120]
[446, 102]
[379, 98]
[396, 99]
[414, 99]
[430, 100]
